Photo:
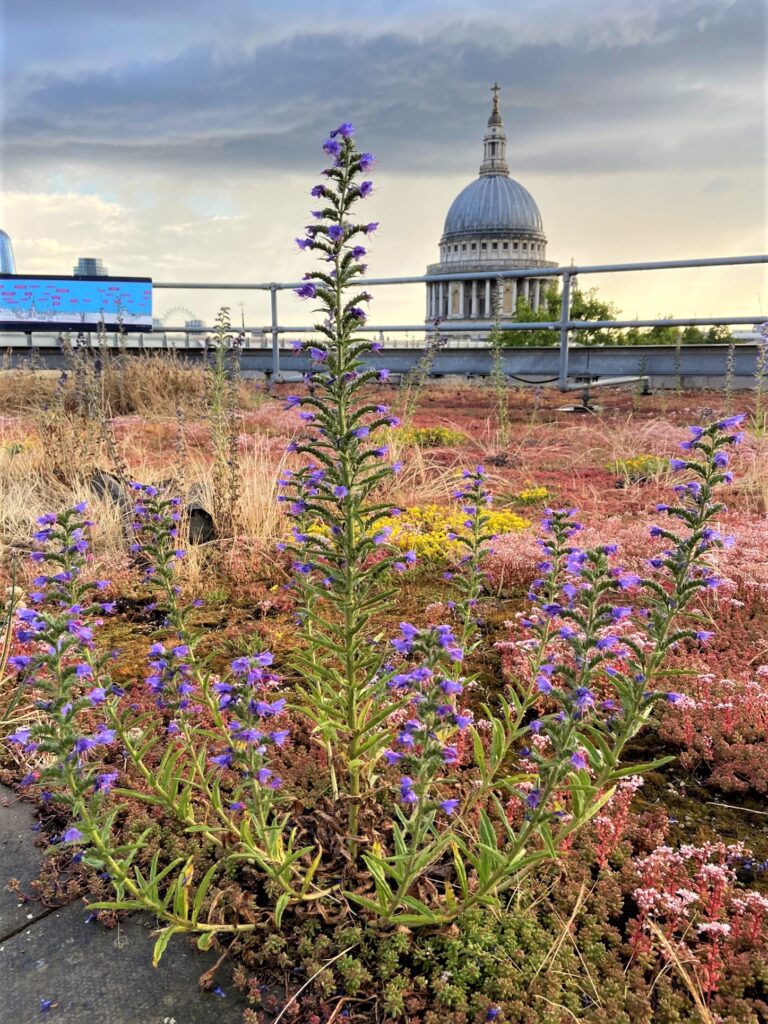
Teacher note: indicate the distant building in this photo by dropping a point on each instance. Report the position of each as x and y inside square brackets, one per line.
[7, 265]
[87, 266]
[493, 224]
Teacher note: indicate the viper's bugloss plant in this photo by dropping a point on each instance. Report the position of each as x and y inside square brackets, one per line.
[343, 576]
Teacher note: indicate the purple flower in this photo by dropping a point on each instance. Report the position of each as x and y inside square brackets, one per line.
[358, 252]
[703, 635]
[607, 643]
[677, 464]
[366, 161]
[629, 581]
[317, 191]
[105, 781]
[20, 661]
[306, 291]
[280, 736]
[720, 459]
[450, 686]
[620, 612]
[346, 130]
[392, 756]
[332, 148]
[318, 354]
[370, 228]
[365, 188]
[407, 794]
[584, 698]
[335, 232]
[72, 835]
[674, 698]
[341, 491]
[449, 806]
[579, 759]
[45, 1005]
[20, 737]
[731, 421]
[361, 432]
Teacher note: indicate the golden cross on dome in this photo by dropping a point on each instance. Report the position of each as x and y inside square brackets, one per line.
[495, 89]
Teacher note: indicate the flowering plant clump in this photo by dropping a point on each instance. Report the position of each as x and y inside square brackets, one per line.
[691, 895]
[532, 495]
[639, 469]
[434, 532]
[432, 437]
[423, 808]
[720, 727]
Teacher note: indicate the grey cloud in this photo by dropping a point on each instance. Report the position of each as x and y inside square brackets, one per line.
[420, 102]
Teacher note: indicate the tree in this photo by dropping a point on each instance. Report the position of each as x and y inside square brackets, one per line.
[584, 306]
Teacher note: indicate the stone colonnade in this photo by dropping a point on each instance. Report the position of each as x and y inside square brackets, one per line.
[475, 300]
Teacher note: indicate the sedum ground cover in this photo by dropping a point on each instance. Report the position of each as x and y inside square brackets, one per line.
[407, 738]
[607, 934]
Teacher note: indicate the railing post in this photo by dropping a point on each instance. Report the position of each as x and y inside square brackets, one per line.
[565, 316]
[275, 334]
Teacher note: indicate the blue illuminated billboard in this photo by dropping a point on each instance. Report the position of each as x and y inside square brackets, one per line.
[37, 302]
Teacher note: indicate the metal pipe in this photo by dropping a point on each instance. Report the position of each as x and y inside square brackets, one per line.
[565, 315]
[605, 268]
[275, 332]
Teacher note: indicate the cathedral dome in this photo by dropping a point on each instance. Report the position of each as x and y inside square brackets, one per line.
[493, 204]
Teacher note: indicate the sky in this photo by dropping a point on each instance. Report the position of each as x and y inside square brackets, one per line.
[179, 140]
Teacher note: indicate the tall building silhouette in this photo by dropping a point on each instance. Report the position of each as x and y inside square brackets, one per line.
[7, 265]
[88, 266]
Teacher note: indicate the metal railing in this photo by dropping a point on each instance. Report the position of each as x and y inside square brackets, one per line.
[564, 326]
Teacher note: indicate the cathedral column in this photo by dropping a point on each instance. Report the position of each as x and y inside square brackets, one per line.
[514, 294]
[461, 286]
[440, 304]
[474, 300]
[527, 289]
[488, 312]
[536, 293]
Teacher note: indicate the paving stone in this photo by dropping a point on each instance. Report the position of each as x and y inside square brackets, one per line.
[19, 858]
[96, 975]
[92, 974]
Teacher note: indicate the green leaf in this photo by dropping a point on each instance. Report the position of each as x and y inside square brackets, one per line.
[161, 943]
[202, 891]
[282, 902]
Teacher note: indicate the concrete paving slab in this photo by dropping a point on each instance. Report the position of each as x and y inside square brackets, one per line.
[95, 975]
[19, 858]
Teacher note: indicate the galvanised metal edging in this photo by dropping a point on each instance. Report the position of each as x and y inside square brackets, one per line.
[641, 360]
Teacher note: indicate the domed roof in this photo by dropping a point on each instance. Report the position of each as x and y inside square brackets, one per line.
[493, 204]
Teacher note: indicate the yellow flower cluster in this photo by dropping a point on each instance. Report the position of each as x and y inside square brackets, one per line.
[425, 529]
[431, 437]
[532, 495]
[639, 468]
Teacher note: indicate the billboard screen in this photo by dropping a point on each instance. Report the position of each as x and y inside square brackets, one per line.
[41, 303]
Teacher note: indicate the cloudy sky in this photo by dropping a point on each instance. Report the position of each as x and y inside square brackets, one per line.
[179, 140]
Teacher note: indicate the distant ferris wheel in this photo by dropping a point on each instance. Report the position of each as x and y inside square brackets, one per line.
[182, 312]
